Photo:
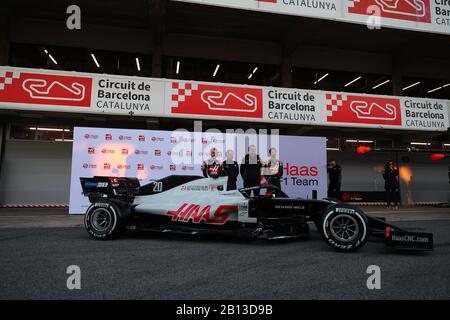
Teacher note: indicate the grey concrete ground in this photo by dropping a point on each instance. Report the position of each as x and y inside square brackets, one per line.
[37, 246]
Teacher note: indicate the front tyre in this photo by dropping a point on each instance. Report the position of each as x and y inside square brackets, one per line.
[103, 220]
[344, 227]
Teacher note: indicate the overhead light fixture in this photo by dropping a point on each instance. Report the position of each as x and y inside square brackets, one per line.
[217, 69]
[252, 73]
[53, 59]
[95, 60]
[333, 149]
[353, 81]
[410, 86]
[49, 129]
[138, 64]
[381, 84]
[420, 143]
[446, 85]
[435, 89]
[178, 67]
[64, 140]
[323, 77]
[359, 141]
[46, 51]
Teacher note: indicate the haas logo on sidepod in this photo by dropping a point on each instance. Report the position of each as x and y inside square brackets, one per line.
[411, 10]
[363, 109]
[206, 99]
[48, 89]
[193, 213]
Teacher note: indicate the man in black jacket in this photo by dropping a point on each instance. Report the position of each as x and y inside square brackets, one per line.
[335, 177]
[231, 169]
[251, 170]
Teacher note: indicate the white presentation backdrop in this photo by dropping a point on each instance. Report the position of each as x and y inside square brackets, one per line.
[154, 154]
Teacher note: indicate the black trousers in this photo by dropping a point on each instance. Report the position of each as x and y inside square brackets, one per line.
[333, 190]
[392, 196]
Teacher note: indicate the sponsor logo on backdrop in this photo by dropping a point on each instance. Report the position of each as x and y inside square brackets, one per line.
[187, 168]
[108, 151]
[216, 100]
[121, 166]
[141, 138]
[409, 10]
[346, 108]
[128, 138]
[108, 136]
[173, 139]
[89, 166]
[156, 167]
[140, 166]
[204, 141]
[174, 153]
[90, 136]
[142, 152]
[159, 139]
[124, 152]
[157, 152]
[91, 150]
[107, 166]
[172, 167]
[300, 175]
[45, 89]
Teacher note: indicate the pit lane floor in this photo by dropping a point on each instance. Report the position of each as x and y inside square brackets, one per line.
[36, 246]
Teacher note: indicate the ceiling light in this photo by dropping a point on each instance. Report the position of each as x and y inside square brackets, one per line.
[323, 77]
[138, 65]
[53, 59]
[178, 67]
[353, 81]
[217, 69]
[381, 84]
[254, 70]
[410, 86]
[95, 60]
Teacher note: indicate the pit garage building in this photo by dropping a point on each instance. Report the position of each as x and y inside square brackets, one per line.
[336, 50]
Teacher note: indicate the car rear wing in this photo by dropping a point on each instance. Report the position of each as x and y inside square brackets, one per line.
[124, 189]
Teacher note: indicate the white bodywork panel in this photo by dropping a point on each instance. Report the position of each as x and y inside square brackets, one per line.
[198, 200]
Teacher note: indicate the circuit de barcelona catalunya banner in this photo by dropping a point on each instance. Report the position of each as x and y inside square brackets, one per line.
[153, 154]
[59, 91]
[418, 15]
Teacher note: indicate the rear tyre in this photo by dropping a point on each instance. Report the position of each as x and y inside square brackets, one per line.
[103, 220]
[344, 227]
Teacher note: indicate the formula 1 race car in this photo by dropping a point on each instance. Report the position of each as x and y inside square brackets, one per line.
[195, 205]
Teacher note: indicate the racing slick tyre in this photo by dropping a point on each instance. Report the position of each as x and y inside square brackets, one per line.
[344, 227]
[103, 220]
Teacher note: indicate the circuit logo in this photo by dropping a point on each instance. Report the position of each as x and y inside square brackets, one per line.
[409, 10]
[216, 100]
[363, 109]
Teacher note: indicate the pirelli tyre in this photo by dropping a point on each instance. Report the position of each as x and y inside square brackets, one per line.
[344, 227]
[104, 220]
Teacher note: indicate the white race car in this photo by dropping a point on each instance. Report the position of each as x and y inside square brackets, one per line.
[193, 204]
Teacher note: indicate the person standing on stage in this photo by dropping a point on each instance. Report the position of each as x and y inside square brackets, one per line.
[335, 179]
[231, 169]
[273, 169]
[251, 170]
[391, 185]
[212, 168]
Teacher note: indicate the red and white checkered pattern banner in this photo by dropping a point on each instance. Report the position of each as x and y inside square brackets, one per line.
[59, 91]
[418, 15]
